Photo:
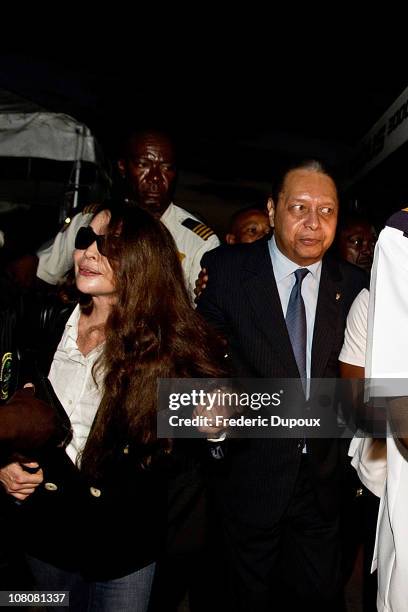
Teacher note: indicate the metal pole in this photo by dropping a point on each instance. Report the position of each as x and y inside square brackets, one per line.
[77, 172]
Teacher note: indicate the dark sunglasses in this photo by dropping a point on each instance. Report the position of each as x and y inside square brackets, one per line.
[86, 236]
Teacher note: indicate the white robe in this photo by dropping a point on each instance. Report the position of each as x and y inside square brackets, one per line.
[387, 358]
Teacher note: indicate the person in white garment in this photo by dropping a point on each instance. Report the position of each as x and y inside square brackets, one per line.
[147, 163]
[368, 454]
[384, 325]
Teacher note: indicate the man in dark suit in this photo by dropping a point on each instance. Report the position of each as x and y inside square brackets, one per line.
[279, 498]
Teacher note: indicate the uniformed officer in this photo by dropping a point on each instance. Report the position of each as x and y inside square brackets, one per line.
[147, 163]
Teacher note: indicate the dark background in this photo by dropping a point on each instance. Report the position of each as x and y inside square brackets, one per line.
[236, 122]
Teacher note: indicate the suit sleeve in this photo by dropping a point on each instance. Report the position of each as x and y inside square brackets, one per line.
[209, 304]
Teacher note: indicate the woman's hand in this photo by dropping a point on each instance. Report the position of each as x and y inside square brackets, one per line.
[18, 482]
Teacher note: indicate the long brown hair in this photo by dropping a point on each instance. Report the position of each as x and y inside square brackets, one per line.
[152, 332]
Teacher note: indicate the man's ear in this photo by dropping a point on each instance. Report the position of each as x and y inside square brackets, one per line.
[271, 211]
[230, 239]
[122, 167]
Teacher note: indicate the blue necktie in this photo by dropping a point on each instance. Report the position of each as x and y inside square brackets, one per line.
[296, 323]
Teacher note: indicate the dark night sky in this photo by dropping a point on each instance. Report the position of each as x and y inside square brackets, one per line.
[235, 122]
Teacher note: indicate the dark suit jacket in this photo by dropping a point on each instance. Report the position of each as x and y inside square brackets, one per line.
[242, 301]
[122, 527]
[104, 528]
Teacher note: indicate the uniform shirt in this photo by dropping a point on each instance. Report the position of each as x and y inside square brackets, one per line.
[72, 380]
[192, 239]
[55, 260]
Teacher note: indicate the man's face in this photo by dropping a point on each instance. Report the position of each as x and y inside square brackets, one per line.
[305, 216]
[150, 168]
[248, 227]
[356, 244]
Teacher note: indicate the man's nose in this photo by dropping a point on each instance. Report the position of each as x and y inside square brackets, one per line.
[154, 173]
[312, 219]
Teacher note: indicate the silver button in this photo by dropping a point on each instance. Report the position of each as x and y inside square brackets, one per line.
[50, 486]
[95, 492]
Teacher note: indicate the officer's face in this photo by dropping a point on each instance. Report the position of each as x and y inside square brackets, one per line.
[150, 168]
[305, 216]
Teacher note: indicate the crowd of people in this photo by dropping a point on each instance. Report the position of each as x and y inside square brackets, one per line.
[137, 289]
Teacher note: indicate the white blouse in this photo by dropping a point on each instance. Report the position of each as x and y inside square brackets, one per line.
[71, 377]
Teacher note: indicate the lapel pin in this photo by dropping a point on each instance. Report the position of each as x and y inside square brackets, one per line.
[338, 296]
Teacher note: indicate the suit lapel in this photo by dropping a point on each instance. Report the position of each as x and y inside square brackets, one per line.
[259, 283]
[327, 312]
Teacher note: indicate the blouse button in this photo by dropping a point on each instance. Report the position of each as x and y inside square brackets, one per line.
[50, 486]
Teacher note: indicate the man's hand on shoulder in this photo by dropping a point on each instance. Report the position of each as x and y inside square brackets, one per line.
[201, 283]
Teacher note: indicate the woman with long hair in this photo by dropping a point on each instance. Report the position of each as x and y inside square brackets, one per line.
[94, 513]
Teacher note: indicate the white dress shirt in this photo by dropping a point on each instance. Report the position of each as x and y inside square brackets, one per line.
[71, 377]
[284, 269]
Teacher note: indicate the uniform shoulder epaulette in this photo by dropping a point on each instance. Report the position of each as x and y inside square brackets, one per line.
[399, 221]
[198, 228]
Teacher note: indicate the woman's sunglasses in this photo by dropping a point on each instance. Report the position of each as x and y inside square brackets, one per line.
[86, 236]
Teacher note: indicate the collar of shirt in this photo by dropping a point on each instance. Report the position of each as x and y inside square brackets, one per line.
[72, 377]
[284, 267]
[71, 328]
[70, 336]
